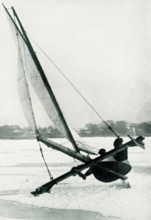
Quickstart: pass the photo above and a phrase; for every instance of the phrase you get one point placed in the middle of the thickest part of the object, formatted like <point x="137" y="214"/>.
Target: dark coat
<point x="123" y="155"/>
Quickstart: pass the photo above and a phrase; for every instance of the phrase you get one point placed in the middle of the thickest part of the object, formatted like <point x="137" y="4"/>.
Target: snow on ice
<point x="22" y="170"/>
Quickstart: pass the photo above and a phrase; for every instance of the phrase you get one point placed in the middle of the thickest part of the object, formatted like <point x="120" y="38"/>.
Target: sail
<point x="31" y="70"/>
<point x="22" y="84"/>
<point x="40" y="90"/>
<point x="46" y="101"/>
<point x="24" y="93"/>
<point x="27" y="65"/>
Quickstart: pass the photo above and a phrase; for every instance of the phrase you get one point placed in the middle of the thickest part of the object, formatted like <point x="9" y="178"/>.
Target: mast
<point x="43" y="77"/>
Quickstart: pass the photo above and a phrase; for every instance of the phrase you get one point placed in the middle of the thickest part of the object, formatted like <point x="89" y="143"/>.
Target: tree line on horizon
<point x="122" y="128"/>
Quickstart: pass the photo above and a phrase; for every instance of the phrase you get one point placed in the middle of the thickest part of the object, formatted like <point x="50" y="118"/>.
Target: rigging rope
<point x="50" y="175"/>
<point x="109" y="127"/>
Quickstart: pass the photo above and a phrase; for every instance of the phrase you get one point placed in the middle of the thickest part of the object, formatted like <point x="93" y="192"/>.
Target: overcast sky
<point x="103" y="47"/>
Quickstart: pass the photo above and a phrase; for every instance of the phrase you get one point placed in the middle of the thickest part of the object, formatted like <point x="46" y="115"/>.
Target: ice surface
<point x="22" y="170"/>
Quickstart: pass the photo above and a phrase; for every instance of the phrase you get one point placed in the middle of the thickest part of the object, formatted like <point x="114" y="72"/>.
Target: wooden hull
<point x="105" y="176"/>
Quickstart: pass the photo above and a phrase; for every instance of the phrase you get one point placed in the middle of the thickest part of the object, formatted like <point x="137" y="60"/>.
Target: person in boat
<point x="122" y="155"/>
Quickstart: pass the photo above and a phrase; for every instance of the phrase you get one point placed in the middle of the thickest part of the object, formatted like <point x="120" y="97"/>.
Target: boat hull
<point x="102" y="174"/>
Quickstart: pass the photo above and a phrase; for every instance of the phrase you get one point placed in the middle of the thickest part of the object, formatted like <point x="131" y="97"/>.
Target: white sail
<point x="26" y="66"/>
<point x="23" y="91"/>
<point x="41" y="91"/>
<point x="46" y="101"/>
<point x="28" y="70"/>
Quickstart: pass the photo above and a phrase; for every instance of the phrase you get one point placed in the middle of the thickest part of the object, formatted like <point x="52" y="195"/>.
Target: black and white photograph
<point x="75" y="110"/>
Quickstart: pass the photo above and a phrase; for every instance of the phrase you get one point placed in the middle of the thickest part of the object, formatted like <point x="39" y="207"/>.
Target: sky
<point x="103" y="47"/>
